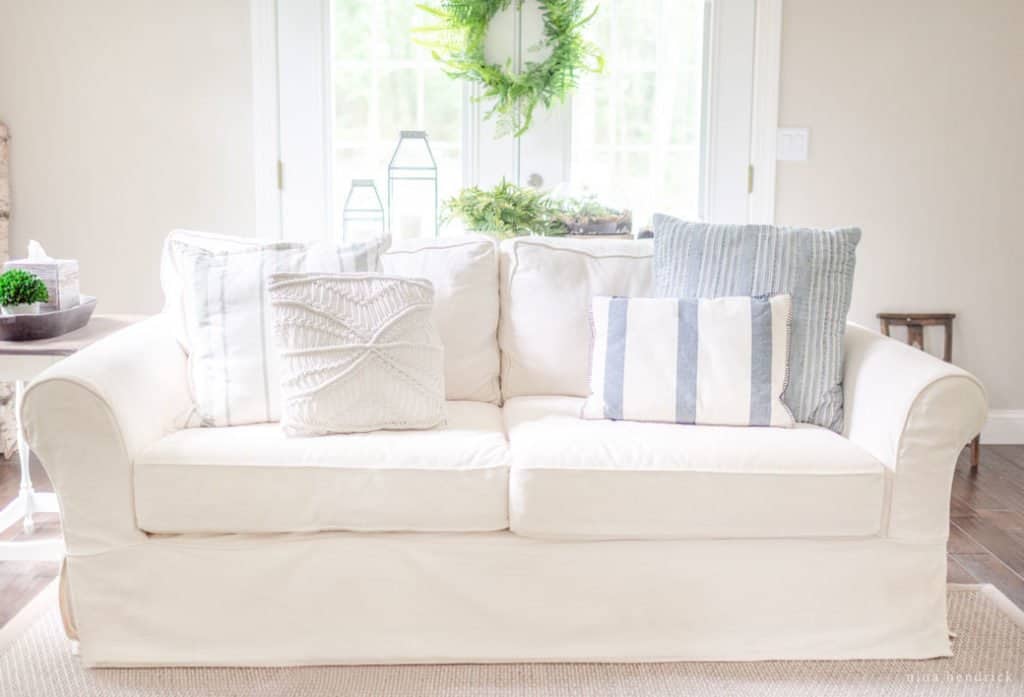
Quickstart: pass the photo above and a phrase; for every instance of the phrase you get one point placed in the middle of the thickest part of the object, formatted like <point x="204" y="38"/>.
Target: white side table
<point x="20" y="361"/>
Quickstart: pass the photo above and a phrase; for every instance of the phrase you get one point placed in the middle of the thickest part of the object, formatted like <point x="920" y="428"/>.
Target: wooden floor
<point x="986" y="536"/>
<point x="20" y="581"/>
<point x="986" y="532"/>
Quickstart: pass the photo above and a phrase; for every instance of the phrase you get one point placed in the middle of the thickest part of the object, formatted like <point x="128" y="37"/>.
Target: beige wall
<point x="916" y="114"/>
<point x="128" y="118"/>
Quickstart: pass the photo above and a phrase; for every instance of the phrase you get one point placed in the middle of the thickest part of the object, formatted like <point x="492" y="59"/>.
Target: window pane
<point x="397" y="18"/>
<point x="351" y="104"/>
<point x="636" y="127"/>
<point x="398" y="98"/>
<point x="385" y="83"/>
<point x="351" y="36"/>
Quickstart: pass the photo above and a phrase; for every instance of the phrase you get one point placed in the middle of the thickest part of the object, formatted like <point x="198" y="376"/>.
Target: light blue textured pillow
<point x="814" y="267"/>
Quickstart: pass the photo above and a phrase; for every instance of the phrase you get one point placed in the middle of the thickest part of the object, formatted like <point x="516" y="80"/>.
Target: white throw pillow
<point x="227" y="317"/>
<point x="176" y="245"/>
<point x="359" y="352"/>
<point x="715" y="362"/>
<point x="464" y="273"/>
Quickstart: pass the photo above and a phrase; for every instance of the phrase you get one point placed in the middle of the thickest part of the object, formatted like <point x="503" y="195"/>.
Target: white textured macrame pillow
<point x="358" y="352"/>
<point x="227" y="317"/>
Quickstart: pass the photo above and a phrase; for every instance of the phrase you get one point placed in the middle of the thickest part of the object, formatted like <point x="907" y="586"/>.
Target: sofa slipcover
<point x="573" y="478"/>
<point x="255" y="479"/>
<point x="134" y="598"/>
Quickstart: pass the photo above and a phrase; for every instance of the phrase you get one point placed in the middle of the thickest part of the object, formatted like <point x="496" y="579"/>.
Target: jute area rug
<point x="988" y="660"/>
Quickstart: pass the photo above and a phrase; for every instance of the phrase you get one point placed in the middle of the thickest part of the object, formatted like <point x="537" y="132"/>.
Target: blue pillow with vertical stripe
<point x="814" y="267"/>
<point x="717" y="362"/>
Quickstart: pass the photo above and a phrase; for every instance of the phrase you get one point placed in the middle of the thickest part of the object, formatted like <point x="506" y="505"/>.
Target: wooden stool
<point x="915" y="322"/>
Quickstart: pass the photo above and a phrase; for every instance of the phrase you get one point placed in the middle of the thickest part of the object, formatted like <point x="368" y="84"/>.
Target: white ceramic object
<point x="21" y="309"/>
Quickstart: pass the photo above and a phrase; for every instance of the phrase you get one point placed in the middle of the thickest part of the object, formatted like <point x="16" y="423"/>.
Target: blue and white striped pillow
<point x="688" y="361"/>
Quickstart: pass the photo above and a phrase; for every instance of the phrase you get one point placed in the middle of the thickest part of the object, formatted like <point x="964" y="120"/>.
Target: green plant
<point x="19" y="287"/>
<point x="506" y="210"/>
<point x="459" y="46"/>
<point x="585" y="215"/>
<point x="586" y="207"/>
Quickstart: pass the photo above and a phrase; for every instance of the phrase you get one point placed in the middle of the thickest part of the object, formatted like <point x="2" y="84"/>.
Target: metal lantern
<point x="362" y="217"/>
<point x="412" y="187"/>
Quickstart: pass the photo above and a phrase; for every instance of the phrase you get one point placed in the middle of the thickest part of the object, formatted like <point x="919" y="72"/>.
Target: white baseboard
<point x="1004" y="427"/>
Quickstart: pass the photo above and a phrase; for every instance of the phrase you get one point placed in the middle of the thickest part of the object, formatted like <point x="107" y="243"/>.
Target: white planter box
<point x="20" y="309"/>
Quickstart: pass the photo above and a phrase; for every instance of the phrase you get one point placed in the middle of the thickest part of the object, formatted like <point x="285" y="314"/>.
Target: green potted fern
<point x="505" y="211"/>
<point x="21" y="292"/>
<point x="587" y="216"/>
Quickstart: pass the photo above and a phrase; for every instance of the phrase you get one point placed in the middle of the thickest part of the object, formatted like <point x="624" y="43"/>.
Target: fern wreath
<point x="459" y="47"/>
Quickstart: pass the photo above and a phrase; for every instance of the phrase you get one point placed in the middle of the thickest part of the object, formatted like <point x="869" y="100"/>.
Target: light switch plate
<point x="791" y="144"/>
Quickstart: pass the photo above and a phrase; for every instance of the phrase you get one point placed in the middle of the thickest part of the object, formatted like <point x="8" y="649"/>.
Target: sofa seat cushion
<point x="572" y="478"/>
<point x="255" y="479"/>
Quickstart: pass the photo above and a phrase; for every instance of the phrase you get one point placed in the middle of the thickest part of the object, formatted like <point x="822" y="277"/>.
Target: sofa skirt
<point x="356" y="598"/>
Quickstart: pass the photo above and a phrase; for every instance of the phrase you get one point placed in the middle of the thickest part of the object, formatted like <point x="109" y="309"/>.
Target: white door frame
<point x="727" y="118"/>
<point x="764" y="124"/>
<point x="266" y="126"/>
<point x="293" y="118"/>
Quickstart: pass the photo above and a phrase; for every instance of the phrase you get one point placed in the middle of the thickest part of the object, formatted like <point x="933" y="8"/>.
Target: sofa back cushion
<point x="547" y="285"/>
<point x="464" y="273"/>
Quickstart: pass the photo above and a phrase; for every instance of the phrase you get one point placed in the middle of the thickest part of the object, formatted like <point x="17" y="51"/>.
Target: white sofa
<point x="517" y="533"/>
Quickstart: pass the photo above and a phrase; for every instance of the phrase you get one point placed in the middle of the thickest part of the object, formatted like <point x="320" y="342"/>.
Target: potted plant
<point x="506" y="210"/>
<point x="21" y="292"/>
<point x="587" y="216"/>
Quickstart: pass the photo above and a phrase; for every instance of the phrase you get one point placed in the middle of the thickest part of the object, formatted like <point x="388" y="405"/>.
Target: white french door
<point x="667" y="127"/>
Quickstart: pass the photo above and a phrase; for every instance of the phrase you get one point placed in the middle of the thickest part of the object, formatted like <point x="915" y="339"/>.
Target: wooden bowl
<point x="47" y="325"/>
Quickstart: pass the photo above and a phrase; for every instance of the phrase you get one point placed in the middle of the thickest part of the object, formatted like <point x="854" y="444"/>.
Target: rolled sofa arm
<point x="89" y="415"/>
<point x="915" y="413"/>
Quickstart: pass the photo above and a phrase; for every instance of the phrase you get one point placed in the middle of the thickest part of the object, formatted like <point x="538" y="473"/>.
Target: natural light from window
<point x="383" y="84"/>
<point x="636" y="128"/>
